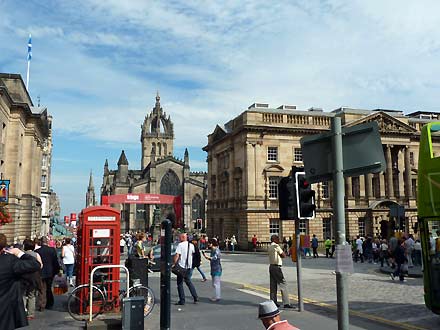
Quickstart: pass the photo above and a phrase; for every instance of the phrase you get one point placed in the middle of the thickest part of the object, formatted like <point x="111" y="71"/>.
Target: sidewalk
<point x="237" y="310"/>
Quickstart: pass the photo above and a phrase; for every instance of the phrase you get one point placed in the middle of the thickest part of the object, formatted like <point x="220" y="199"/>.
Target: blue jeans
<point x="190" y="273"/>
<point x="69" y="270"/>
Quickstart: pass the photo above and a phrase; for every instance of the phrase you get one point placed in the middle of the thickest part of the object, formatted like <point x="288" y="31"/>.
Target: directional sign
<point x="362" y="153"/>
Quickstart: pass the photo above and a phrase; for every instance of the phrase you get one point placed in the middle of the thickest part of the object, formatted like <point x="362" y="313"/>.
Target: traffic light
<point x="286" y="198"/>
<point x="305" y="197"/>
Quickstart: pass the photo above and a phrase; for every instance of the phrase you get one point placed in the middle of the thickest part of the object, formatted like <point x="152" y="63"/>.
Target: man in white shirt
<point x="183" y="256"/>
<point x="359" y="249"/>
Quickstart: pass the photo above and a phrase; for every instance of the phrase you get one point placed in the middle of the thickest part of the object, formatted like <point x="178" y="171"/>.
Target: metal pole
<point x="298" y="267"/>
<point x="339" y="212"/>
<point x="165" y="276"/>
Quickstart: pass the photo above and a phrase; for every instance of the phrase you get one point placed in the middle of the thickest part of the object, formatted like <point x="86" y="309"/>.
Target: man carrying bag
<point x="181" y="266"/>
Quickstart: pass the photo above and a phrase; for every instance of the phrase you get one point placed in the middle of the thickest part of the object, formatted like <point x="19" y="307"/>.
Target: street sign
<point x="361" y="148"/>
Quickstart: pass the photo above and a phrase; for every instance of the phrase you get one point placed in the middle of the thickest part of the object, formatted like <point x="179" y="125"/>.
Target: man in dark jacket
<point x="51" y="267"/>
<point x="13" y="264"/>
<point x="400" y="259"/>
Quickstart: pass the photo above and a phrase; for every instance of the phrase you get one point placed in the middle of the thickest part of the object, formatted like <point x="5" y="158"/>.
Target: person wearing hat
<point x="276" y="254"/>
<point x="269" y="314"/>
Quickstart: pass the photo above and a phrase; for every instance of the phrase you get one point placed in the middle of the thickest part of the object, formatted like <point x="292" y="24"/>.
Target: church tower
<point x="157" y="135"/>
<point x="90" y="195"/>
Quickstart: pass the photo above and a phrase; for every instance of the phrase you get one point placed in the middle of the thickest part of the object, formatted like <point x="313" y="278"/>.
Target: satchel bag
<point x="179" y="270"/>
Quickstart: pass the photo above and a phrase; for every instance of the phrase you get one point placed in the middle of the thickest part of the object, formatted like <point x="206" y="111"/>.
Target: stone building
<point x="24" y="133"/>
<point x="249" y="154"/>
<point x="46" y="169"/>
<point x="160" y="173"/>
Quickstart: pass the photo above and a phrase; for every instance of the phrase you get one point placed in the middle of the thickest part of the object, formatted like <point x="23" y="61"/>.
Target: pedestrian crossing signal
<point x="305" y="197"/>
<point x="286" y="198"/>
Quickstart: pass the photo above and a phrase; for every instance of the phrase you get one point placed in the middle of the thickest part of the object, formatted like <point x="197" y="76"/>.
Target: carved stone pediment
<point x="274" y="168"/>
<point x="387" y="123"/>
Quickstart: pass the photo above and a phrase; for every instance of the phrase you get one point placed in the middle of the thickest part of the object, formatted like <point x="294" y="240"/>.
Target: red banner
<point x="66" y="219"/>
<point x="147" y="199"/>
<point x="72" y="216"/>
<point x="138" y="199"/>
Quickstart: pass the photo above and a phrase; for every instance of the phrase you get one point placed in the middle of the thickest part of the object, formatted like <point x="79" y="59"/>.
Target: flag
<point x="29" y="57"/>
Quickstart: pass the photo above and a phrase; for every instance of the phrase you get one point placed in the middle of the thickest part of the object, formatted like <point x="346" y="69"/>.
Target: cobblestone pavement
<point x="370" y="291"/>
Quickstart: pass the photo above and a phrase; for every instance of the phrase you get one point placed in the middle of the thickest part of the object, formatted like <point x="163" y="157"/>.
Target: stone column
<point x="383" y="191"/>
<point x="348" y="187"/>
<point x="408" y="190"/>
<point x="401" y="167"/>
<point x="389" y="173"/>
<point x="368" y="185"/>
<point x="250" y="172"/>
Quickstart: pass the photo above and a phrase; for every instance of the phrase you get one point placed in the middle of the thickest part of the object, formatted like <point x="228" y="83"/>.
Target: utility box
<point x="133" y="313"/>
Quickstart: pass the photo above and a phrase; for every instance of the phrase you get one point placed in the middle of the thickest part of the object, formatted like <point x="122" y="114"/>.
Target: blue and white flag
<point x="29" y="57"/>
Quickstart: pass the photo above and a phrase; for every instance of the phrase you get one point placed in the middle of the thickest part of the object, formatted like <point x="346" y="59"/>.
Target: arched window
<point x="165" y="153"/>
<point x="197" y="207"/>
<point x="159" y="146"/>
<point x="170" y="184"/>
<point x="153" y="148"/>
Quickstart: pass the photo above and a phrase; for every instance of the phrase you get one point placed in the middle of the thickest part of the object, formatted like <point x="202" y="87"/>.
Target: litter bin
<point x="138" y="269"/>
<point x="133" y="313"/>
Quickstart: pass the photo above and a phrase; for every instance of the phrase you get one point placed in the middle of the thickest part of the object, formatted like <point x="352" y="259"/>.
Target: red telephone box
<point x="98" y="244"/>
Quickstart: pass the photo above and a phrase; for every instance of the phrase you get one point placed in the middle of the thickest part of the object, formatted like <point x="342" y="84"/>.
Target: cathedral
<point x="160" y="173"/>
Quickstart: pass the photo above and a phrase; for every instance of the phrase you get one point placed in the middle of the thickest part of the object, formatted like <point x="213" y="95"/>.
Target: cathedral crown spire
<point x="157" y="100"/>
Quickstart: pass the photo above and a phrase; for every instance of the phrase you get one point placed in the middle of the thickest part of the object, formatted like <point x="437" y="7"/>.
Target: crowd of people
<point x="27" y="273"/>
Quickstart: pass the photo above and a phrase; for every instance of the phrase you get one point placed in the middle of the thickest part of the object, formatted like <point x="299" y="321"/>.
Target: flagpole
<point x="27" y="75"/>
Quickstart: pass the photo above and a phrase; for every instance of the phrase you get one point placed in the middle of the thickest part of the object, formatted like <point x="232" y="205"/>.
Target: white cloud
<point x="97" y="65"/>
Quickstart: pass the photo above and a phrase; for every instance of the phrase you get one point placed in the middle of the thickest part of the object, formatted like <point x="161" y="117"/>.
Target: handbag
<point x="179" y="270"/>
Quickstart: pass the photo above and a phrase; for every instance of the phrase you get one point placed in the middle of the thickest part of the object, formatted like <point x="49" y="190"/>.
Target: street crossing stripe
<point x="334" y="307"/>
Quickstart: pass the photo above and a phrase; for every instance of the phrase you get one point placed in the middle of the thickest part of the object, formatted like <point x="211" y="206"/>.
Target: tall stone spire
<point x="106" y="167"/>
<point x="90" y="195"/>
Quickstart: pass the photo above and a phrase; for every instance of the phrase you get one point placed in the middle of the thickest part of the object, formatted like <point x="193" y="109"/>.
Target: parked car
<point x="156" y="256"/>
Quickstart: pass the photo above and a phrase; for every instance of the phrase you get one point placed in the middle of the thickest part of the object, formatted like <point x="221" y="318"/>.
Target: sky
<point x="97" y="66"/>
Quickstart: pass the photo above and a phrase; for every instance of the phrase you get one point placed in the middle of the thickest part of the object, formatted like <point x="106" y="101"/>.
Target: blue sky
<point x="97" y="66"/>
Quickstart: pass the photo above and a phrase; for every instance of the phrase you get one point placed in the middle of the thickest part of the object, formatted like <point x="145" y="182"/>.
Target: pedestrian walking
<point x="68" y="255"/>
<point x="197" y="259"/>
<point x="328" y="245"/>
<point x="359" y="252"/>
<point x="233" y="243"/>
<point x="383" y="254"/>
<point x="14" y="265"/>
<point x="51" y="267"/>
<point x="31" y="285"/>
<point x="184" y="257"/>
<point x="276" y="254"/>
<point x="216" y="268"/>
<point x="315" y="246"/>
<point x="254" y="243"/>
<point x="122" y="244"/>
<point x="400" y="259"/>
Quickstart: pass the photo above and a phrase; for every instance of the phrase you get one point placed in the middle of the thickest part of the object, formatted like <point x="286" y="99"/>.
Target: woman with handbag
<point x="216" y="267"/>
